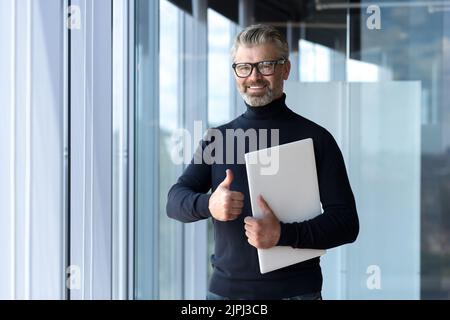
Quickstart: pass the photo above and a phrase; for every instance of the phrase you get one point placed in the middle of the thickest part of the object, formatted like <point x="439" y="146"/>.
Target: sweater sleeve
<point x="338" y="224"/>
<point x="187" y="199"/>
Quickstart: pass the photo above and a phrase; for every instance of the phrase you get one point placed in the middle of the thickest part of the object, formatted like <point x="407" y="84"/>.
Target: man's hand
<point x="263" y="233"/>
<point x="225" y="204"/>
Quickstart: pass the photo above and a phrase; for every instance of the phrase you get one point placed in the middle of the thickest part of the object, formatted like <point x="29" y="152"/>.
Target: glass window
<point x="385" y="70"/>
<point x="391" y="117"/>
<point x="219" y="69"/>
<point x="407" y="144"/>
<point x="170" y="254"/>
<point x="168" y="84"/>
<point x="146" y="149"/>
<point x="220" y="85"/>
<point x="314" y="61"/>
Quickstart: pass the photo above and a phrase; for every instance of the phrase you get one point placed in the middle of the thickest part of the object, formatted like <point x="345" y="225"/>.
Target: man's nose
<point x="255" y="75"/>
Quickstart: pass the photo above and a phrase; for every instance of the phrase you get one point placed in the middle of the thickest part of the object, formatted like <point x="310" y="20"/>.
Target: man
<point x="261" y="65"/>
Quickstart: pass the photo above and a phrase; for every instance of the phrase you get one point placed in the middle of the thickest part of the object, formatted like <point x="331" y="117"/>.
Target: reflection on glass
<point x="411" y="52"/>
<point x="219" y="85"/>
<point x="319" y="63"/>
<point x="315" y="60"/>
<point x="169" y="230"/>
<point x="408" y="61"/>
<point x="413" y="45"/>
<point x="219" y="69"/>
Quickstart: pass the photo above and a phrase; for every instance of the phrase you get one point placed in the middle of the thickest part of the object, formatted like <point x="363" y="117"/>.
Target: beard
<point x="257" y="101"/>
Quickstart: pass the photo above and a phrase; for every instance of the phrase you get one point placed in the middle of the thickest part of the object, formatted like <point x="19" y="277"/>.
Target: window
<point x="170" y="95"/>
<point x="220" y="80"/>
<point x="170" y="250"/>
<point x="386" y="105"/>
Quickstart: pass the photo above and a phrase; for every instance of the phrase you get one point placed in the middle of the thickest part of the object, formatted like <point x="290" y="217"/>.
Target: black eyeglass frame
<point x="256" y="65"/>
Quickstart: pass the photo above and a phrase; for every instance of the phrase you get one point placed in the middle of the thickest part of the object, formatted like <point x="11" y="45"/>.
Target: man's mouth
<point x="256" y="88"/>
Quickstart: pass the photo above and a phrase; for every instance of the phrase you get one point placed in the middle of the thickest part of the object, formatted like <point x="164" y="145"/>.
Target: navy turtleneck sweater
<point x="236" y="270"/>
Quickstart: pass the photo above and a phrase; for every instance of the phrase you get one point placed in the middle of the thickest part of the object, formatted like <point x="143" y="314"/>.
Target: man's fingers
<point x="235" y="211"/>
<point x="250" y="221"/>
<point x="236" y="195"/>
<point x="252" y="243"/>
<point x="237" y="204"/>
<point x="250" y="235"/>
<point x="230" y="215"/>
<point x="251" y="228"/>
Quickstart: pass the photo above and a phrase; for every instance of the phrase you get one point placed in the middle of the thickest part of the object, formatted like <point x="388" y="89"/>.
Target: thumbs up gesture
<point x="225" y="204"/>
<point x="263" y="233"/>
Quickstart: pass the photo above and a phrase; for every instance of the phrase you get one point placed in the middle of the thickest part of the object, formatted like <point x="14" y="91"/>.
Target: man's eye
<point x="266" y="66"/>
<point x="243" y="68"/>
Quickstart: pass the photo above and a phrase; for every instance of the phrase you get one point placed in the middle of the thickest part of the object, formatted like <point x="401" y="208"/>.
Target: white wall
<point x="32" y="245"/>
<point x="52" y="179"/>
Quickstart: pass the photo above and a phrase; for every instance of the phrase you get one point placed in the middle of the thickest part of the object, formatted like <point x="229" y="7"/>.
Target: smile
<point x="256" y="88"/>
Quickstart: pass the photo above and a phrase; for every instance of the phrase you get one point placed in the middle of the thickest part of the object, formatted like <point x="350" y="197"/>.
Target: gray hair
<point x="259" y="34"/>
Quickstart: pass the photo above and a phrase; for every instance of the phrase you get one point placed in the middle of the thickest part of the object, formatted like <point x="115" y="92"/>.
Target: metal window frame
<point x="131" y="102"/>
<point x="193" y="106"/>
<point x="91" y="150"/>
<point x="65" y="225"/>
<point x="146" y="124"/>
<point x="120" y="147"/>
<point x="195" y="100"/>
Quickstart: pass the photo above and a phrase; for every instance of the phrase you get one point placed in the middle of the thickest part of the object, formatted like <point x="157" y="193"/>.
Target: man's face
<point x="258" y="90"/>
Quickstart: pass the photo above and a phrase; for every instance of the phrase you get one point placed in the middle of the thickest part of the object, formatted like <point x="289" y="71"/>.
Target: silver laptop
<point x="286" y="177"/>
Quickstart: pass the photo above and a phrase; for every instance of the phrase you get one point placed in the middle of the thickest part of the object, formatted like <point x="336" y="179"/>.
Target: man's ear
<point x="286" y="70"/>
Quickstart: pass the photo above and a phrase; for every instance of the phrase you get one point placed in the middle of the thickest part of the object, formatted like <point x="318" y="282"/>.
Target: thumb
<point x="226" y="183"/>
<point x="264" y="206"/>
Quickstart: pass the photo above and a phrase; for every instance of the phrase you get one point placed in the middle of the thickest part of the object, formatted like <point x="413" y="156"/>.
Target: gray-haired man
<point x="261" y="65"/>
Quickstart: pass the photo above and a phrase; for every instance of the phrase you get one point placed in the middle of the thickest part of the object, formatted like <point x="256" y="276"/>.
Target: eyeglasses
<point x="266" y="68"/>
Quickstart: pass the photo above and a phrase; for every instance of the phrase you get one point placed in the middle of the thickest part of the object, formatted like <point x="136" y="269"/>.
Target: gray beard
<point x="258" y="101"/>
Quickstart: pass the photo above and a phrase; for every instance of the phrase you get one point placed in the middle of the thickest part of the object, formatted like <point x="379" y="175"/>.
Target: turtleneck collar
<point x="268" y="111"/>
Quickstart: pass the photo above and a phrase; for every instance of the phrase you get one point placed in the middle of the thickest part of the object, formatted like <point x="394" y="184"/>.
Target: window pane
<point x="219" y="69"/>
<point x="219" y="86"/>
<point x="414" y="51"/>
<point x="386" y="103"/>
<point x="146" y="155"/>
<point x="170" y="254"/>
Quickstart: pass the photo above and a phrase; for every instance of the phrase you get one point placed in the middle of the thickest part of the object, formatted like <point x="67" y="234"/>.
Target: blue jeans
<point x="306" y="296"/>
